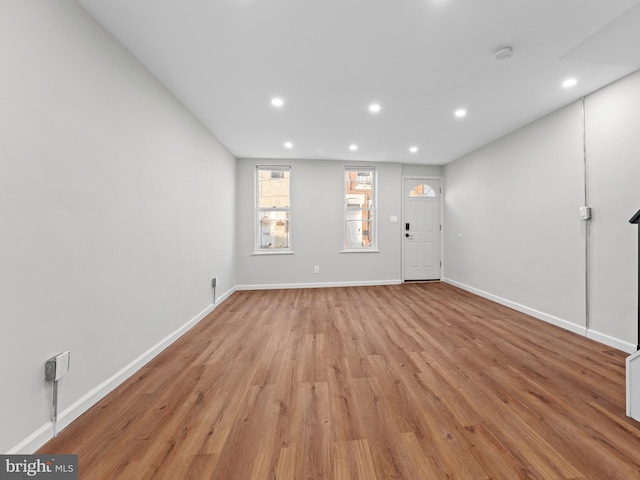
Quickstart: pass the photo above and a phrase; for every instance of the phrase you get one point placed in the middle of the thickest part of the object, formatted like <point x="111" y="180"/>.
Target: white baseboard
<point x="285" y="286"/>
<point x="45" y="433"/>
<point x="611" y="341"/>
<point x="559" y="322"/>
<point x="633" y="386"/>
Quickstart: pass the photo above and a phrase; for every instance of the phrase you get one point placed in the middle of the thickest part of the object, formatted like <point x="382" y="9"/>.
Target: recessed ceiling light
<point x="277" y="102"/>
<point x="374" y="108"/>
<point x="288" y="145"/>
<point x="569" y="82"/>
<point x="353" y="147"/>
<point x="413" y="149"/>
<point x="461" y="112"/>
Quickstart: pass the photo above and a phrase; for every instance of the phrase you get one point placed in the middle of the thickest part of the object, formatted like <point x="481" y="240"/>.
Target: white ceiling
<point x="329" y="59"/>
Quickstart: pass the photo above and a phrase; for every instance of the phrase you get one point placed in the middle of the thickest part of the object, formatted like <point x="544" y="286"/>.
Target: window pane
<point x="273" y="187"/>
<point x="360" y="204"/>
<point x="358" y="232"/>
<point x="422" y="191"/>
<point x="274" y="229"/>
<point x="359" y="188"/>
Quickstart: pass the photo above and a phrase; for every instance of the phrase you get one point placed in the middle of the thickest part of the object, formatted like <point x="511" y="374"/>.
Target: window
<point x="359" y="208"/>
<point x="273" y="210"/>
<point x="422" y="191"/>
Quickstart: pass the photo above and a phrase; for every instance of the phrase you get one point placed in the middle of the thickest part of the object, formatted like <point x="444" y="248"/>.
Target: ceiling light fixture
<point x="288" y="145"/>
<point x="374" y="108"/>
<point x="461" y="112"/>
<point x="353" y="147"/>
<point x="504" y="53"/>
<point x="277" y="102"/>
<point x="413" y="149"/>
<point x="569" y="82"/>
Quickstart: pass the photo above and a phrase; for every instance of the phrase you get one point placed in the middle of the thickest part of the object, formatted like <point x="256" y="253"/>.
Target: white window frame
<point x="259" y="212"/>
<point x="373" y="209"/>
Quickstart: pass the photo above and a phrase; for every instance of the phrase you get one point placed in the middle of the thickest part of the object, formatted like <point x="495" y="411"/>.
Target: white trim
<point x="363" y="250"/>
<point x="285" y="286"/>
<point x="632" y="374"/>
<point x="274" y="252"/>
<point x="256" y="208"/>
<point x="373" y="209"/>
<point x="441" y="200"/>
<point x="45" y="433"/>
<point x="559" y="322"/>
<point x="611" y="341"/>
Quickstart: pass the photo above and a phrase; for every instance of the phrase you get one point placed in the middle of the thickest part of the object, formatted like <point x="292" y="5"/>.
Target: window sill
<point x="285" y="252"/>
<point x="370" y="250"/>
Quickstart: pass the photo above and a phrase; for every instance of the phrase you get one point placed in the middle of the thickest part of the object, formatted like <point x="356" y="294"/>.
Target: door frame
<point x="441" y="197"/>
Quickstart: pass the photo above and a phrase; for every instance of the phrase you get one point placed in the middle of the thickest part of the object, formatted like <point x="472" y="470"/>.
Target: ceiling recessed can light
<point x="353" y="147"/>
<point x="461" y="112"/>
<point x="569" y="82"/>
<point x="413" y="149"/>
<point x="374" y="108"/>
<point x="288" y="145"/>
<point x="277" y="102"/>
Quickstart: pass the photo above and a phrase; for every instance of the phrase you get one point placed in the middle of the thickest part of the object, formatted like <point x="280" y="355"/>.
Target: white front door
<point x="421" y="228"/>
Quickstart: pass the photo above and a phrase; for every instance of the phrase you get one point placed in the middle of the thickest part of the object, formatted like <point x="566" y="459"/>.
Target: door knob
<point x="407" y="235"/>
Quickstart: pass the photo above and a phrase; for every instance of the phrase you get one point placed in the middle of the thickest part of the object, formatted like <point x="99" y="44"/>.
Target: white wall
<point x="613" y="172"/>
<point x="512" y="231"/>
<point x="116" y="207"/>
<point x="317" y="209"/>
<point x="422" y="170"/>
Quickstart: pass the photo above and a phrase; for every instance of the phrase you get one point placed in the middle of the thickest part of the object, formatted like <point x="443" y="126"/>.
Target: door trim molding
<point x="402" y="243"/>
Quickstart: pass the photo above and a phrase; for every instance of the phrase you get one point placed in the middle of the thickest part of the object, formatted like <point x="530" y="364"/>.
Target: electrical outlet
<point x="57" y="367"/>
<point x="214" y="282"/>
<point x="316" y="269"/>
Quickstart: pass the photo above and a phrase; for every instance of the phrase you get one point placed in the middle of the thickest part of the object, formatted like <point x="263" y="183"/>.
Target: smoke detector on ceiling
<point x="504" y="53"/>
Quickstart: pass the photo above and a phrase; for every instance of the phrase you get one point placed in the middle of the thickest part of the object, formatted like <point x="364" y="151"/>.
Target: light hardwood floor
<point x="414" y="381"/>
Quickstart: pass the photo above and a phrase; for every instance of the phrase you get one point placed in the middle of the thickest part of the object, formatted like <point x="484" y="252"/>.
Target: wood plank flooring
<point x="413" y="381"/>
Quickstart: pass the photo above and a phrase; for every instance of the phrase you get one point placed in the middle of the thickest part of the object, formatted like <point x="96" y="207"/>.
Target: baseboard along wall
<point x="559" y="322"/>
<point x="46" y="432"/>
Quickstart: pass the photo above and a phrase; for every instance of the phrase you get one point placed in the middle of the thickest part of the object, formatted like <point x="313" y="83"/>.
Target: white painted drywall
<point x="116" y="209"/>
<point x="422" y="170"/>
<point x="613" y="161"/>
<point x="317" y="206"/>
<point x="511" y="218"/>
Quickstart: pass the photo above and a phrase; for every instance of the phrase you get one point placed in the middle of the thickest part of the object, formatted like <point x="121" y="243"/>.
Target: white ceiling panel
<point x="419" y="59"/>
